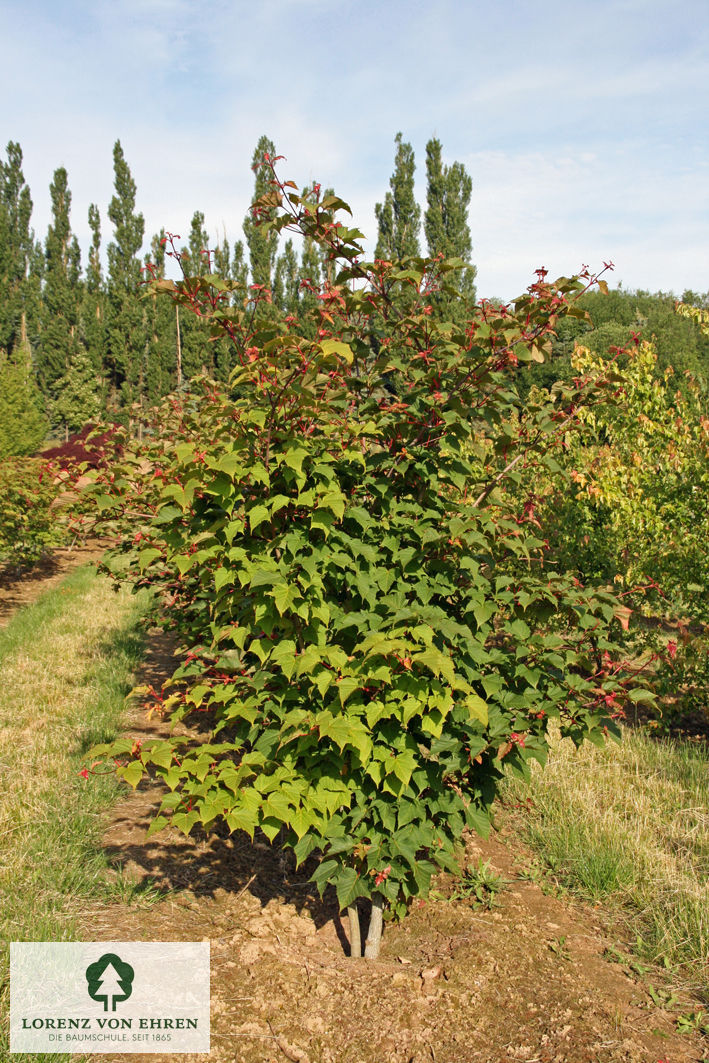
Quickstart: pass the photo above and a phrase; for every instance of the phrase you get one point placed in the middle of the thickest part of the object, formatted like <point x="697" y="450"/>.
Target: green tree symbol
<point x="110" y="980"/>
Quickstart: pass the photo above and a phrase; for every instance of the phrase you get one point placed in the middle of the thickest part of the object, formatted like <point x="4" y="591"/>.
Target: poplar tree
<point x="399" y="216"/>
<point x="161" y="328"/>
<point x="239" y="265"/>
<point x="221" y="260"/>
<point x="59" y="341"/>
<point x="262" y="244"/>
<point x="125" y="346"/>
<point x="446" y="219"/>
<point x="286" y="284"/>
<point x="196" y="349"/>
<point x="326" y="267"/>
<point x="19" y="270"/>
<point x="233" y="267"/>
<point x="94" y="303"/>
<point x="311" y="264"/>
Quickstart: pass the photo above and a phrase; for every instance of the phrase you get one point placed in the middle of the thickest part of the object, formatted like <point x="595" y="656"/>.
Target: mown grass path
<point x="66" y="663"/>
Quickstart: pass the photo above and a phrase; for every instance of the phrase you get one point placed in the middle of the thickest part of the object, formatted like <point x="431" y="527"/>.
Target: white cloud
<point x="584" y="129"/>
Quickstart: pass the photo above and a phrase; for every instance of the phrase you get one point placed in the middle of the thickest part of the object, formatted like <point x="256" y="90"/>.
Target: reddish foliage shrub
<point x="88" y="447"/>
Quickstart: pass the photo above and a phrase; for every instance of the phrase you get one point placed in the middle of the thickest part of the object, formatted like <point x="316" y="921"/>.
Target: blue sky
<point x="583" y="125"/>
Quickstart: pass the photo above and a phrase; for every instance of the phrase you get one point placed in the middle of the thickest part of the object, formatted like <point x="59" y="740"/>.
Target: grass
<point x="628" y="826"/>
<point x="479" y="886"/>
<point x="66" y="664"/>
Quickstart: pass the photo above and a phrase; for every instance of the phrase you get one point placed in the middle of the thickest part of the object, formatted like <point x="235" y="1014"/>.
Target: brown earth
<point x="527" y="980"/>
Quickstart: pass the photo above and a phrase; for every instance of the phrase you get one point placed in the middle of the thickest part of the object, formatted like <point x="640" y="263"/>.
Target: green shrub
<point x="370" y="636"/>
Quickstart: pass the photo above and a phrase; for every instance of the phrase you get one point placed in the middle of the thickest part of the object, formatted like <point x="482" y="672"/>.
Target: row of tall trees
<point x="76" y="341"/>
<point x="79" y="340"/>
<point x="445" y="220"/>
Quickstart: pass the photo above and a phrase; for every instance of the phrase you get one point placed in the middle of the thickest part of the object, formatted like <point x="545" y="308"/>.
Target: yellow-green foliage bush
<point x="29" y="526"/>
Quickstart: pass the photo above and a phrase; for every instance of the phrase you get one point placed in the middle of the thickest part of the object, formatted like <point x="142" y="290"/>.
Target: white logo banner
<point x="109" y="996"/>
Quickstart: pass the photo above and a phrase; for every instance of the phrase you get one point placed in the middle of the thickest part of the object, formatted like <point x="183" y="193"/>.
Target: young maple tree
<point x="343" y="540"/>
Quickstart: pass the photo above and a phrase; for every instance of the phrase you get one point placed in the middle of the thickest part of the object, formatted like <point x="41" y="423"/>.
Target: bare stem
<point x="374" y="935"/>
<point x="355" y="936"/>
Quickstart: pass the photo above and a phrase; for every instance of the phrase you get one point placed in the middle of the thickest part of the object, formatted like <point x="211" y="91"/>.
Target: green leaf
<point x="639" y="695"/>
<point x="342" y="350"/>
<point x="133" y="773"/>
<point x="301" y="821"/>
<point x="477" y="708"/>
<point x="323" y="680"/>
<point x="346" y="686"/>
<point x="322" y="519"/>
<point x="284" y="595"/>
<point x="221" y="577"/>
<point x="257" y="515"/>
<point x="403" y="765"/>
<point x="146" y="556"/>
<point x="483" y="612"/>
<point x="294" y="458"/>
<point x="348" y="887"/>
<point x="333" y="500"/>
<point x="323" y="874"/>
<point x="283" y="655"/>
<point x="338" y="728"/>
<point x="436" y="662"/>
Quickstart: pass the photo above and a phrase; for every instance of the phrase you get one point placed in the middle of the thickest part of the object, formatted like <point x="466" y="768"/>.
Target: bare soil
<point x="525" y="981"/>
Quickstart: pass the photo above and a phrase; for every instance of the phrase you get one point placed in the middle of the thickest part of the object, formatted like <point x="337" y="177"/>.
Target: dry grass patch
<point x="66" y="665"/>
<point x="630" y="824"/>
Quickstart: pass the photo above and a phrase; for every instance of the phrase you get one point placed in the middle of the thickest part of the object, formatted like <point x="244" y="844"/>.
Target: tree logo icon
<point x="110" y="980"/>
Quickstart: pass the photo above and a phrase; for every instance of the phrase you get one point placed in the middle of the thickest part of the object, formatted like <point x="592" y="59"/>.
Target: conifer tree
<point x="197" y="245"/>
<point x="61" y="296"/>
<point x="385" y="228"/>
<point x="23" y="424"/>
<point x="77" y="403"/>
<point x="446" y="218"/>
<point x="263" y="246"/>
<point x="239" y="265"/>
<point x="399" y="216"/>
<point x="222" y="258"/>
<point x="125" y="346"/>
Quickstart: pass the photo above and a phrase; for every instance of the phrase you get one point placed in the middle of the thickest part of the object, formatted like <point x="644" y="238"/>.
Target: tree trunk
<point x="179" y="346"/>
<point x="355" y="937"/>
<point x="374" y="934"/>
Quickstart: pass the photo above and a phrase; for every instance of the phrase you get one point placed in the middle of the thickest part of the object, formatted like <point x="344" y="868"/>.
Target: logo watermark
<point x="132" y="996"/>
<point x="110" y="980"/>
